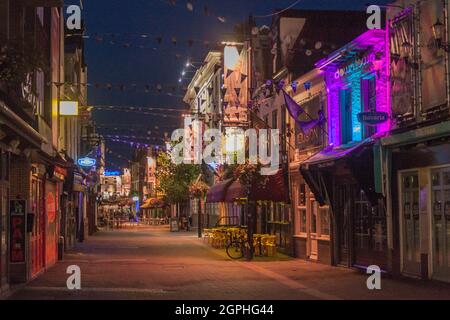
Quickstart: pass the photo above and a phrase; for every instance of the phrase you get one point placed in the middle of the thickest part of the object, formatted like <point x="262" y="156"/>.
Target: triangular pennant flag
<point x="237" y="115"/>
<point x="293" y="108"/>
<point x="243" y="77"/>
<point x="223" y="91"/>
<point x="229" y="72"/>
<point x="210" y="90"/>
<point x="225" y="104"/>
<point x="238" y="91"/>
<point x="197" y="90"/>
<point x="294" y="86"/>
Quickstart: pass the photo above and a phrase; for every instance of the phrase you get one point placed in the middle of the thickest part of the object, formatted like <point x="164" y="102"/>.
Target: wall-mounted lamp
<point x="438" y="33"/>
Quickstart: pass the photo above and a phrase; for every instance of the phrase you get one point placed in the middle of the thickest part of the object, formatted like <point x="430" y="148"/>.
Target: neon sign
<point x="358" y="64"/>
<point x="86" y="162"/>
<point x="111" y="173"/>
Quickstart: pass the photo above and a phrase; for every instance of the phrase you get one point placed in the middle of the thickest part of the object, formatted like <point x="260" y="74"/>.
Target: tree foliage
<point x="174" y="180"/>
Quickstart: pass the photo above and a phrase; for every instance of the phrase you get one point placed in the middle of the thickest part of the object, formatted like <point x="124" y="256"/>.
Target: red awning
<point x="218" y="191"/>
<point x="274" y="189"/>
<point x="235" y="191"/>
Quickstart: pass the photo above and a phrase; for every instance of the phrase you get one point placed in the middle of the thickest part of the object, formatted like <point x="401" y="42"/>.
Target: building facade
<point x="416" y="154"/>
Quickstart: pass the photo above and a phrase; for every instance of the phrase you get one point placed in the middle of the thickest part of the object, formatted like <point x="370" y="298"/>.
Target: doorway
<point x="410" y="222"/>
<point x="344" y="206"/>
<point x="440" y="199"/>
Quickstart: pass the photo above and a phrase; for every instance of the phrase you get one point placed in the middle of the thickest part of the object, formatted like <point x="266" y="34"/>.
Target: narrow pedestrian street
<point x="149" y="262"/>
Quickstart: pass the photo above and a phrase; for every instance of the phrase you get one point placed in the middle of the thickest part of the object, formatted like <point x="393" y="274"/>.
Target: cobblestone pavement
<point x="153" y="263"/>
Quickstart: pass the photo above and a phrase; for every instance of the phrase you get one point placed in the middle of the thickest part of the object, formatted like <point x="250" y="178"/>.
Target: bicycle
<point x="238" y="248"/>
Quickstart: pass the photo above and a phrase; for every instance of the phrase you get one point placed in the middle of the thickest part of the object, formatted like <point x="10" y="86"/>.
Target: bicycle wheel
<point x="234" y="250"/>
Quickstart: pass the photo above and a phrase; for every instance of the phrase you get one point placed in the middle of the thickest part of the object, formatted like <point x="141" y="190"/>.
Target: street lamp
<point x="438" y="33"/>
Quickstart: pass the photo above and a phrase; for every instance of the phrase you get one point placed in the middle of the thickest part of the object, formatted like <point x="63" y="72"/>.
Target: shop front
<point x="311" y="238"/>
<point x="419" y="173"/>
<point x="264" y="207"/>
<point x="344" y="179"/>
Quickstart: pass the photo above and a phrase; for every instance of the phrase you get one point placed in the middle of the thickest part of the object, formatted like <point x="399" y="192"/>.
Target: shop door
<point x="312" y="239"/>
<point x="410" y="223"/>
<point x="440" y="199"/>
<point x="343" y="212"/>
<point x="3" y="236"/>
<point x="37" y="249"/>
<point x="369" y="233"/>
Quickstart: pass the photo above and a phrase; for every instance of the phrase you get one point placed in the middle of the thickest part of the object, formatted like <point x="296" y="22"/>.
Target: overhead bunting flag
<point x="243" y="77"/>
<point x="307" y="85"/>
<point x="223" y="91"/>
<point x="197" y="90"/>
<point x="210" y="90"/>
<point x="225" y="104"/>
<point x="238" y="91"/>
<point x="229" y="72"/>
<point x="294" y="86"/>
<point x="307" y="126"/>
<point x="293" y="108"/>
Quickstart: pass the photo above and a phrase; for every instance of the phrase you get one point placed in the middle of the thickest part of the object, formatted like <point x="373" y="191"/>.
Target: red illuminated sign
<point x="17" y="230"/>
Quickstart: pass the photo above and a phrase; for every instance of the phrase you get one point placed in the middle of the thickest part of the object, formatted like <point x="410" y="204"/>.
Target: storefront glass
<point x="441" y="222"/>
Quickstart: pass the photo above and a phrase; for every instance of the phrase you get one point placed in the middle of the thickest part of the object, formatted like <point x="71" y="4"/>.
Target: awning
<point x="326" y="158"/>
<point x="235" y="192"/>
<point x="218" y="191"/>
<point x="20" y="127"/>
<point x="272" y="189"/>
<point x="318" y="169"/>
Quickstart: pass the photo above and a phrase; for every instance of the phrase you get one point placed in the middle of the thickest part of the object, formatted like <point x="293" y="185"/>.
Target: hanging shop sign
<point x="86" y="162"/>
<point x="68" y="108"/>
<point x="373" y="117"/>
<point x="17" y="230"/>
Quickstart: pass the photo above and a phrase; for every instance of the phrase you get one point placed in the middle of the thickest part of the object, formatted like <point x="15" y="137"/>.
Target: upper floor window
<point x="369" y="102"/>
<point x="275" y="119"/>
<point x="309" y="136"/>
<point x="346" y="115"/>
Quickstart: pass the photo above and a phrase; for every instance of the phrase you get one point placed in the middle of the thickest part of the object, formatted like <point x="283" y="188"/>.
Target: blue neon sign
<point x="86" y="162"/>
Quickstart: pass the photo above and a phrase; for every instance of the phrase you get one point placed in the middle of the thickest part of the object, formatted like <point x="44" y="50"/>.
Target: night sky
<point x="158" y="64"/>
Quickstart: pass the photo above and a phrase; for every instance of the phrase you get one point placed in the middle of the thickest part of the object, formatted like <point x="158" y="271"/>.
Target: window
<point x="302" y="195"/>
<point x="314" y="212"/>
<point x="346" y="116"/>
<point x="313" y="137"/>
<point x="275" y="119"/>
<point x="369" y="101"/>
<point x="324" y="221"/>
<point x="303" y="220"/>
